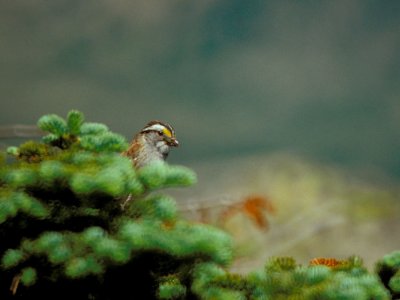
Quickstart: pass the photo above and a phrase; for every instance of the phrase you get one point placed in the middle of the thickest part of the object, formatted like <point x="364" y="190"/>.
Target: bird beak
<point x="173" y="142"/>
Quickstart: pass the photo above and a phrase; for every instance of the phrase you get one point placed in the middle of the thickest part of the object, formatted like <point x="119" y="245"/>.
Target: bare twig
<point x="15" y="283"/>
<point x="19" y="131"/>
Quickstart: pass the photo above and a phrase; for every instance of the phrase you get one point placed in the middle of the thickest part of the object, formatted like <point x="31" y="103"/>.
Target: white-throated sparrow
<point x="151" y="144"/>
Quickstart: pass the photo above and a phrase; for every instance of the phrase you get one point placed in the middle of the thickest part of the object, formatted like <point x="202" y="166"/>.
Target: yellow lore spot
<point x="167" y="132"/>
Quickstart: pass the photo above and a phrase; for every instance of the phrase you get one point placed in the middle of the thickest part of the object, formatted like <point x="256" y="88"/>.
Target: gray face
<point x="164" y="130"/>
<point x="157" y="141"/>
<point x="160" y="137"/>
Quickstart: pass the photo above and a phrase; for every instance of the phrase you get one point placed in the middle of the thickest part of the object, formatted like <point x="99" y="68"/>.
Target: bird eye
<point x="160" y="132"/>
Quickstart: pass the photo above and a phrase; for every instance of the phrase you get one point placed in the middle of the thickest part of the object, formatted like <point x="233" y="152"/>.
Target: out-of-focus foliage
<point x="282" y="278"/>
<point x="388" y="269"/>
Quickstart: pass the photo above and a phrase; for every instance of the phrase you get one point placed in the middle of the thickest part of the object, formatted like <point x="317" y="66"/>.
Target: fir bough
<point x="62" y="226"/>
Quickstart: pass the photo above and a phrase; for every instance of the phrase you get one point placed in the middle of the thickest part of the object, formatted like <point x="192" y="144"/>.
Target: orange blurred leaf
<point x="255" y="207"/>
<point x="329" y="262"/>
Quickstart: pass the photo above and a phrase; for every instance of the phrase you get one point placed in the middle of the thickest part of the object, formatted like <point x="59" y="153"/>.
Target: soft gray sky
<point x="321" y="79"/>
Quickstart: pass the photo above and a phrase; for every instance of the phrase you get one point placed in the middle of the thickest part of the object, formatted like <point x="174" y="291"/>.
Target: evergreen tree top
<point x="64" y="233"/>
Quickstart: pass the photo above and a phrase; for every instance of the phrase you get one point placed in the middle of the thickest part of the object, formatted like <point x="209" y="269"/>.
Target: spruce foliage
<point x="64" y="233"/>
<point x="282" y="278"/>
<point x="388" y="269"/>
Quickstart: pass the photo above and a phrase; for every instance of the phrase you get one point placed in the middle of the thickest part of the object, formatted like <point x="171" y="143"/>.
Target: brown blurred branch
<point x="19" y="131"/>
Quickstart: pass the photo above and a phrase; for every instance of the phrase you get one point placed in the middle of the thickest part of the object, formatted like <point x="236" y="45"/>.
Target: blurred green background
<point x="317" y="78"/>
<point x="296" y="100"/>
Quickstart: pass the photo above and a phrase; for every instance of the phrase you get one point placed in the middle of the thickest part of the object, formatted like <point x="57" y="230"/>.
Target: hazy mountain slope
<point x="320" y="210"/>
